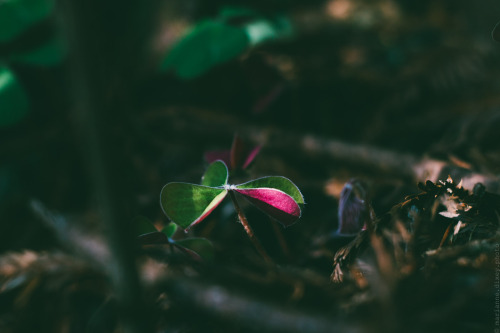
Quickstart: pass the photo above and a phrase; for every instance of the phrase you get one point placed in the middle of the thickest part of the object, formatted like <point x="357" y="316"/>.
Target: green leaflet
<point x="216" y="175"/>
<point x="210" y="43"/>
<point x="188" y="204"/>
<point x="170" y="230"/>
<point x="202" y="246"/>
<point x="215" y="41"/>
<point x="143" y="225"/>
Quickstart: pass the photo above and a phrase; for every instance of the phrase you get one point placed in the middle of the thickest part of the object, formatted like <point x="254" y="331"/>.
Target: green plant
<point x="24" y="40"/>
<point x="195" y="247"/>
<point x="188" y="204"/>
<point x="212" y="42"/>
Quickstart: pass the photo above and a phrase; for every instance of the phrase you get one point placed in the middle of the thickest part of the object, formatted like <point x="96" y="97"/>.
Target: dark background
<point x="107" y="127"/>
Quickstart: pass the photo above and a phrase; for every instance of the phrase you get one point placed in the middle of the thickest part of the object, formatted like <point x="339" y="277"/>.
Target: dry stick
<point x="390" y="162"/>
<point x="249" y="230"/>
<point x="84" y="244"/>
<point x="220" y="303"/>
<point x="446" y="233"/>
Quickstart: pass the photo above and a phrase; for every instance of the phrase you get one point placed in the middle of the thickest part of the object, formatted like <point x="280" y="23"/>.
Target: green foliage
<point x="50" y="53"/>
<point x="143" y="225"/>
<point x="170" y="230"/>
<point x="208" y="44"/>
<point x="18" y="15"/>
<point x="201" y="246"/>
<point x="213" y="42"/>
<point x="195" y="247"/>
<point x="230" y="13"/>
<point x="216" y="175"/>
<point x="13" y="100"/>
<point x="188" y="204"/>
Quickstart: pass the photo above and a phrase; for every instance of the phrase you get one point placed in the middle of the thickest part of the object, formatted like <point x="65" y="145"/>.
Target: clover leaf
<point x="188" y="204"/>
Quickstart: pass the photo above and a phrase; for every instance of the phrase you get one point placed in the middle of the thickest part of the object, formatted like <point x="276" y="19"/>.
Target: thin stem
<point x="446" y="233"/>
<point x="249" y="230"/>
<point x="281" y="239"/>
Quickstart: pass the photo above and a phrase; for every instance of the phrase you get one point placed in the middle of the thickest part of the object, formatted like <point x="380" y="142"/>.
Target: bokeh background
<point x="134" y="95"/>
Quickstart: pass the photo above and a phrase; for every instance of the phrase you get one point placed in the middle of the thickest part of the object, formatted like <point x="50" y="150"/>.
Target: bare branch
<point x="400" y="164"/>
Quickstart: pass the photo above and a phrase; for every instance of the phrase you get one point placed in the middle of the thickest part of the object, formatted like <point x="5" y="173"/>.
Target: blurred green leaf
<point x="13" y="100"/>
<point x="260" y="31"/>
<point x="50" y="53"/>
<point x="18" y="15"/>
<point x="201" y="246"/>
<point x="144" y="225"/>
<point x="213" y="42"/>
<point x="210" y="43"/>
<point x="153" y="238"/>
<point x="229" y="13"/>
<point x="170" y="230"/>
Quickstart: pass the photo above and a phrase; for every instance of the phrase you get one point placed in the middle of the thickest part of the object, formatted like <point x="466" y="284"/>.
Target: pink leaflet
<point x="265" y="101"/>
<point x="251" y="156"/>
<point x="275" y="203"/>
<point x="239" y="157"/>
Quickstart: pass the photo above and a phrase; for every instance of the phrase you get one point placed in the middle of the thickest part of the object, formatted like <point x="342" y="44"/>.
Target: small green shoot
<point x="195" y="247"/>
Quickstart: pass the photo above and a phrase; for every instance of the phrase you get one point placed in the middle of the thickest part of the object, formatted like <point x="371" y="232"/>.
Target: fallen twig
<point x="251" y="313"/>
<point x="184" y="121"/>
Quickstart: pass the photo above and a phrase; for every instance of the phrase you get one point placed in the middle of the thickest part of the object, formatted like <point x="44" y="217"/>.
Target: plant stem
<point x="281" y="239"/>
<point x="249" y="230"/>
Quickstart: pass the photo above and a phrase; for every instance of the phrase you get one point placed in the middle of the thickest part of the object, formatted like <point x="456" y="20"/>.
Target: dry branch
<point x="248" y="312"/>
<point x="416" y="168"/>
